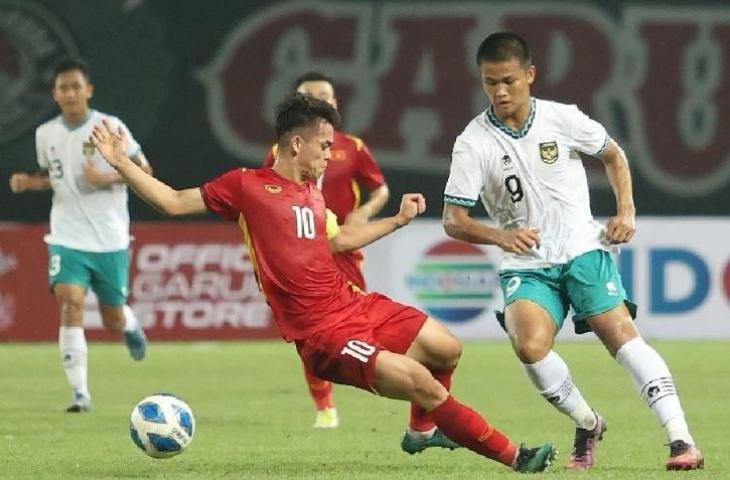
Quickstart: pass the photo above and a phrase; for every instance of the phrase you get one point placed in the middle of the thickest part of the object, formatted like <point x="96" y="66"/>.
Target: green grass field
<point x="254" y="416"/>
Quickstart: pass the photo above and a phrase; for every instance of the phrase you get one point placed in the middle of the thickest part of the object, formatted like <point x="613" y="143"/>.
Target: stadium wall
<point x="188" y="282"/>
<point x="196" y="82"/>
<point x="677" y="270"/>
<point x="194" y="281"/>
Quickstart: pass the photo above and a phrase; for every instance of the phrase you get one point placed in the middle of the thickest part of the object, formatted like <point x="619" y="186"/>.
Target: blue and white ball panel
<point x="162" y="425"/>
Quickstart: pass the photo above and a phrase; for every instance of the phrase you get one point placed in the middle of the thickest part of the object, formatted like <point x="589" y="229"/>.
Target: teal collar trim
<point x="71" y="128"/>
<point x="494" y="120"/>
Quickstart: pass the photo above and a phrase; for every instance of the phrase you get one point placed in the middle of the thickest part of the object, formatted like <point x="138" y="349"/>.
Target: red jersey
<point x="285" y="227"/>
<point x="351" y="167"/>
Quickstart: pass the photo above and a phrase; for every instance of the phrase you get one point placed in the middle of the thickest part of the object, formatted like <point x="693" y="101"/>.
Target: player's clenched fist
<point x="411" y="205"/>
<point x="519" y="241"/>
<point x="19" y="182"/>
<point x="621" y="228"/>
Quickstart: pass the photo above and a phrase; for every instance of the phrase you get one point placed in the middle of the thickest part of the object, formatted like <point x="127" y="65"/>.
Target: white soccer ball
<point x="162" y="425"/>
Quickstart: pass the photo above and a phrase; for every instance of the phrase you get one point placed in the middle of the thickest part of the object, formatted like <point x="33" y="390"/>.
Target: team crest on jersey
<point x="88" y="149"/>
<point x="272" y="188"/>
<point x="549" y="152"/>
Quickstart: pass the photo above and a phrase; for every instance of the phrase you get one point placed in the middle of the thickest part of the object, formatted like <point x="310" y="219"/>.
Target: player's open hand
<point x="520" y="241"/>
<point x="19" y="182"/>
<point x="621" y="228"/>
<point x="411" y="205"/>
<point x="111" y="144"/>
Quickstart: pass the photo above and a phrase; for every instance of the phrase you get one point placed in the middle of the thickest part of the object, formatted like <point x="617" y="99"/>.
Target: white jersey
<point x="83" y="217"/>
<point x="532" y="179"/>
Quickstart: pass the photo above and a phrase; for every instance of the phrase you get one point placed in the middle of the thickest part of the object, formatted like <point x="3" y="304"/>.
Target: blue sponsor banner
<point x="681" y="285"/>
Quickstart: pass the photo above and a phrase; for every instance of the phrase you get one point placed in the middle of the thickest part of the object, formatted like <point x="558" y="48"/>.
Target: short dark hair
<point x="313" y="76"/>
<point x="503" y="47"/>
<point x="68" y="63"/>
<point x="297" y="110"/>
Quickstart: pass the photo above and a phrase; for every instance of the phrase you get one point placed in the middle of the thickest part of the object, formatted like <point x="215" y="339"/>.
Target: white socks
<point x="648" y="370"/>
<point x="420" y="436"/>
<point x="131" y="324"/>
<point x="74" y="353"/>
<point x="655" y="384"/>
<point x="552" y="379"/>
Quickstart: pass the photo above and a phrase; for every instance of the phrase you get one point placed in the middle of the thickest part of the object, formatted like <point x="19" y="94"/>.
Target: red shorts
<point x="345" y="352"/>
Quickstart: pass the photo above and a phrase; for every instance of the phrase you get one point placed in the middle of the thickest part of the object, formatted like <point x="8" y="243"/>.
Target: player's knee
<point x="113" y="318"/>
<point x="451" y="352"/>
<point x="70" y="304"/>
<point x="614" y="329"/>
<point x="532" y="350"/>
<point x="441" y="352"/>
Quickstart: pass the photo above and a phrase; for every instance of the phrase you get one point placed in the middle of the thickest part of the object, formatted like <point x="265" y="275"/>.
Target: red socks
<point x="421" y="420"/>
<point x="467" y="428"/>
<point x="321" y="391"/>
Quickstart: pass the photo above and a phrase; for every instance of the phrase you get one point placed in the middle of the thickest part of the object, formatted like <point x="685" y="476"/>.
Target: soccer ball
<point x="162" y="425"/>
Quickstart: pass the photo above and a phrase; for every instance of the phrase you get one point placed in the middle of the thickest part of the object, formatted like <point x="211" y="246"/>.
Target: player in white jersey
<point x="89" y="240"/>
<point x="522" y="156"/>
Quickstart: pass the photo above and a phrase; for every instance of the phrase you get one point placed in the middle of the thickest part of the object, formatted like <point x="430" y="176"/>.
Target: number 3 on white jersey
<point x="358" y="349"/>
<point x="305" y="221"/>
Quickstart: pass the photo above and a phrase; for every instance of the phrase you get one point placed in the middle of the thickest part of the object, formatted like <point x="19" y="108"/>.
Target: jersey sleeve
<point x="271" y="156"/>
<point x="331" y="226"/>
<point x="40" y="150"/>
<point x="219" y="194"/>
<point x="589" y="136"/>
<point x="368" y="173"/>
<point x="466" y="178"/>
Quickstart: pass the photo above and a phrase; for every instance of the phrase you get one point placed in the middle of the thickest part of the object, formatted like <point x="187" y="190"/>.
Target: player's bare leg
<point x="322" y="392"/>
<point x="112" y="317"/>
<point x="400" y="377"/>
<point x="439" y="351"/>
<point x="532" y="332"/>
<point x="72" y="343"/>
<point x="653" y="381"/>
<point x="122" y="319"/>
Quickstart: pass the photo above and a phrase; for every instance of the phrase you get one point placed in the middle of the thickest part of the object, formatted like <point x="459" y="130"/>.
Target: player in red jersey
<point x="341" y="333"/>
<point x="351" y="168"/>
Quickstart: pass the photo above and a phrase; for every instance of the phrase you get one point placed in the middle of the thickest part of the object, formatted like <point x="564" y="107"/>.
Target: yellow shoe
<point x="327" y="418"/>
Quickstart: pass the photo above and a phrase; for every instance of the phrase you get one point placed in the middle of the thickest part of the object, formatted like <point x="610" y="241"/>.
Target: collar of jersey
<point x="80" y="124"/>
<point x="281" y="177"/>
<point x="494" y="120"/>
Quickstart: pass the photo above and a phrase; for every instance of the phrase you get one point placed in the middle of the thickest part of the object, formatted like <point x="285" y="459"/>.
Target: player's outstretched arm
<point x="376" y="201"/>
<point x="112" y="146"/>
<point x="21" y="182"/>
<point x="459" y="225"/>
<point x="352" y="237"/>
<point x="621" y="227"/>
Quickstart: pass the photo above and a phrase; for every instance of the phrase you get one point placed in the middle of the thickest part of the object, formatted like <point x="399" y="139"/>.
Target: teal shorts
<point x="590" y="284"/>
<point x="107" y="273"/>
